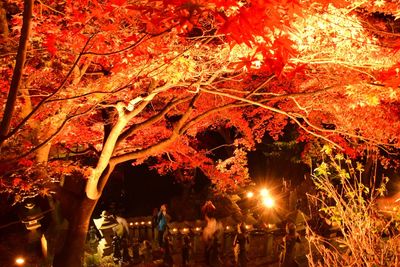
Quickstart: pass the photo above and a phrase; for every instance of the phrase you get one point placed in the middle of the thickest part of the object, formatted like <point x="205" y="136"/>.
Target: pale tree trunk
<point x="80" y="213"/>
<point x="72" y="252"/>
<point x="80" y="210"/>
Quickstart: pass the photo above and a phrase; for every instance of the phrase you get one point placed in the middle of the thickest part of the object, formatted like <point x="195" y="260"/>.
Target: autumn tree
<point x="99" y="83"/>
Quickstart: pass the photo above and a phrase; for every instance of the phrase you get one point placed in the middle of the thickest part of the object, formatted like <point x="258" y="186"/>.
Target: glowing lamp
<point x="19" y="261"/>
<point x="149" y="222"/>
<point x="175" y="230"/>
<point x="142" y="223"/>
<point x="131" y="223"/>
<point x="136" y="223"/>
<point x="268" y="202"/>
<point x="197" y="229"/>
<point x="250" y="194"/>
<point x="227" y="228"/>
<point x="32" y="224"/>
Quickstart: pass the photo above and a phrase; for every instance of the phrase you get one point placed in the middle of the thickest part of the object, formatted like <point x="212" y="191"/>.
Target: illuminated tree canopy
<point x="120" y="80"/>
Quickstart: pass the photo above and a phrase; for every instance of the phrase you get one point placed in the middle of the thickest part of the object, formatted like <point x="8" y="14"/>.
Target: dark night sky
<point x="140" y="191"/>
<point x="146" y="190"/>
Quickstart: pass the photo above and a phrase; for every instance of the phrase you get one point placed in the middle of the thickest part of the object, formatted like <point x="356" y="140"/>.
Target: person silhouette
<point x="287" y="257"/>
<point x="161" y="224"/>
<point x="186" y="247"/>
<point x="241" y="240"/>
<point x="167" y="257"/>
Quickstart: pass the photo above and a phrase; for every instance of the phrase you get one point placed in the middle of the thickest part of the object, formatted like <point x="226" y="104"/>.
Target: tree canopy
<point x="131" y="80"/>
<point x="120" y="80"/>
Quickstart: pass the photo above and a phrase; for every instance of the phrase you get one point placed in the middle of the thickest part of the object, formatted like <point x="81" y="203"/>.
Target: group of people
<point x="211" y="238"/>
<point x="288" y="245"/>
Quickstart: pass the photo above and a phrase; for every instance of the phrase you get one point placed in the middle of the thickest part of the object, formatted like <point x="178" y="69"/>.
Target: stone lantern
<point x="105" y="224"/>
<point x="32" y="217"/>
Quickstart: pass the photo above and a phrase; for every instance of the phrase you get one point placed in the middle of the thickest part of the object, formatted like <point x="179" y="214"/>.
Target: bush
<point x="364" y="235"/>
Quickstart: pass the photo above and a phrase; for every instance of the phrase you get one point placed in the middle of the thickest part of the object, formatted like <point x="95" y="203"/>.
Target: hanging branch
<point x="47" y="98"/>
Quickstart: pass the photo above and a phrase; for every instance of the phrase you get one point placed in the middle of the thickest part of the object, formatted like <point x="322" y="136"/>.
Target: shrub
<point x="365" y="236"/>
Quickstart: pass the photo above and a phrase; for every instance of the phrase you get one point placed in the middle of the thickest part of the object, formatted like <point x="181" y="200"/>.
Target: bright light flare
<point x="19" y="261"/>
<point x="268" y="202"/>
<point x="264" y="192"/>
<point x="250" y="194"/>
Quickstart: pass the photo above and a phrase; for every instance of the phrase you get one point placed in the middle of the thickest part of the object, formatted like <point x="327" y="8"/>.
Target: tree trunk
<point x="72" y="252"/>
<point x="18" y="70"/>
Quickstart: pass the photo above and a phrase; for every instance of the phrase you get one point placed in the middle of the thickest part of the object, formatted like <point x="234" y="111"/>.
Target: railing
<point x="263" y="242"/>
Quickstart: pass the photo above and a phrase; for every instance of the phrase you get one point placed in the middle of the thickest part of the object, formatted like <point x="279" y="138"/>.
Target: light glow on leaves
<point x="236" y="166"/>
<point x="335" y="37"/>
<point x="379" y="3"/>
<point x="241" y="54"/>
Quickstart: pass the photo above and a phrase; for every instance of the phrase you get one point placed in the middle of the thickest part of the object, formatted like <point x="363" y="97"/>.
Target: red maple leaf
<point x="391" y="76"/>
<point x="50" y="43"/>
<point x="245" y="62"/>
<point x="25" y="162"/>
<point x="284" y="47"/>
<point x="225" y="3"/>
<point x="16" y="181"/>
<point x="118" y="2"/>
<point x="26" y="186"/>
<point x="396" y="48"/>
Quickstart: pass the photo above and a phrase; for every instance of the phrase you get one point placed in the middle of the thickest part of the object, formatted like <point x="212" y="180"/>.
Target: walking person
<point x="186" y="247"/>
<point x="210" y="234"/>
<point x="214" y="250"/>
<point x="240" y="242"/>
<point x="154" y="224"/>
<point x="287" y="256"/>
<point x="146" y="252"/>
<point x="167" y="257"/>
<point x="161" y="224"/>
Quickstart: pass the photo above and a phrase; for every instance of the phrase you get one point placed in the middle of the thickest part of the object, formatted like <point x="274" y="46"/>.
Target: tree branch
<point x="43" y="143"/>
<point x="235" y="104"/>
<point x="177" y="131"/>
<point x="121" y="50"/>
<point x="89" y="149"/>
<point x="46" y="99"/>
<point x="255" y="103"/>
<point x="128" y="132"/>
